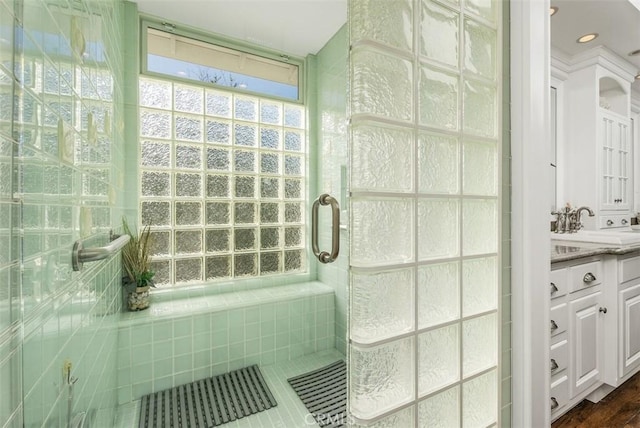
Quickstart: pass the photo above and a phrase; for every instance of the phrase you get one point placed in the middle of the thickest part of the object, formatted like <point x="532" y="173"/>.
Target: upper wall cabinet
<point x="615" y="174"/>
<point x="598" y="145"/>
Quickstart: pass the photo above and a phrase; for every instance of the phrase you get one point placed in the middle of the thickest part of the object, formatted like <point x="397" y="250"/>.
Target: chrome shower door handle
<point x="323" y="256"/>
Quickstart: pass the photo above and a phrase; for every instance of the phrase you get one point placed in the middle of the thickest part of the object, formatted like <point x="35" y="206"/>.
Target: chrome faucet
<point x="578" y="222"/>
<point x="568" y="220"/>
<point x="562" y="219"/>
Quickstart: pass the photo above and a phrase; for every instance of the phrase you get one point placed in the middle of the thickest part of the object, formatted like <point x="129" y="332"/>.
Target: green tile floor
<point x="289" y="413"/>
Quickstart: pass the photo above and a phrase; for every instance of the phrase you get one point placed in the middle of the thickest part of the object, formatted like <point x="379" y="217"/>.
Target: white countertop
<point x="563" y="250"/>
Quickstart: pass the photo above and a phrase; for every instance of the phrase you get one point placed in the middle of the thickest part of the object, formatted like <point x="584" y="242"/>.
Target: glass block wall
<point x="425" y="146"/>
<point x="60" y="180"/>
<point x="222" y="183"/>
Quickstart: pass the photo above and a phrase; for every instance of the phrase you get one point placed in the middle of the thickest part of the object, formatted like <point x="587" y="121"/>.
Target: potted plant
<point x="136" y="264"/>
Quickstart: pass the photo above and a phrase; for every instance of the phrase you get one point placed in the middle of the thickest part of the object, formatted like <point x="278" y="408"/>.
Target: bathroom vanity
<point x="594" y="287"/>
<point x="594" y="327"/>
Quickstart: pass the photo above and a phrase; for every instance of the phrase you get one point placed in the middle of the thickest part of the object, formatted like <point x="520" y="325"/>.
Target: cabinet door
<point x="623" y="161"/>
<point x="630" y="335"/>
<point x="615" y="144"/>
<point x="585" y="337"/>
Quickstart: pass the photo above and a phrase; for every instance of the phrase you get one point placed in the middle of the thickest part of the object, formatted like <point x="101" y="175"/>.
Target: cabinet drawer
<point x="629" y="269"/>
<point x="559" y="282"/>
<point x="559" y="394"/>
<point x="585" y="275"/>
<point x="559" y="357"/>
<point x="614" y="221"/>
<point x="559" y="319"/>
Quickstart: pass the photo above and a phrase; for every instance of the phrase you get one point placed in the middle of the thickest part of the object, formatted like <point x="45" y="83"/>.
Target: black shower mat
<point x="324" y="393"/>
<point x="209" y="402"/>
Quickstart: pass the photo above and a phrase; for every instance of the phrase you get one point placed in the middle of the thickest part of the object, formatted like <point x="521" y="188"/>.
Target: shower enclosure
<point x="422" y="117"/>
<point x="61" y="151"/>
<point x="405" y="106"/>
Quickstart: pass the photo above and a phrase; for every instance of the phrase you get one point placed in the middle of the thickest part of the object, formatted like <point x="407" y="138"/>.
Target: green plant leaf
<point x="136" y="257"/>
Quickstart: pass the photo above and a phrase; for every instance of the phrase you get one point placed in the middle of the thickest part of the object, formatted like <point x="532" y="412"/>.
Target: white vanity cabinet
<point x="595" y="327"/>
<point x="630" y="329"/>
<point x="585" y="338"/>
<point x="559" y="352"/>
<point x="577" y="331"/>
<point x="625" y="338"/>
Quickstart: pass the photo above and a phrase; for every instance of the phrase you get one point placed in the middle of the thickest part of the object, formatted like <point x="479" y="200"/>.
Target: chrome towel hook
<point x="325" y="257"/>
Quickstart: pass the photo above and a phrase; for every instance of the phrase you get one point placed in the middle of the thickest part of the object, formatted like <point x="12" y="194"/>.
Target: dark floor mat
<point x="324" y="393"/>
<point x="208" y="402"/>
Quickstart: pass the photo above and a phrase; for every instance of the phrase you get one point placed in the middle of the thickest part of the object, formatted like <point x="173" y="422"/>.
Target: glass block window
<point x="222" y="182"/>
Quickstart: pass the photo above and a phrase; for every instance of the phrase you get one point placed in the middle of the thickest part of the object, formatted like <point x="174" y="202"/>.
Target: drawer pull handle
<point x="554" y="403"/>
<point x="588" y="277"/>
<point x="603" y="310"/>
<point x="624" y="220"/>
<point x="554" y="288"/>
<point x="554" y="326"/>
<point x="554" y="365"/>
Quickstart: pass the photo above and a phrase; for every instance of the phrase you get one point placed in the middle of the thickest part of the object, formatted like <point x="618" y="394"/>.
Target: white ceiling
<point x="300" y="27"/>
<point x="295" y="27"/>
<point x="616" y="21"/>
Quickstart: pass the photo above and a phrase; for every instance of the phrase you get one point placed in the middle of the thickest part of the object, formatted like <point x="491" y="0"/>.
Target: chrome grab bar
<point x="326" y="199"/>
<point x="81" y="255"/>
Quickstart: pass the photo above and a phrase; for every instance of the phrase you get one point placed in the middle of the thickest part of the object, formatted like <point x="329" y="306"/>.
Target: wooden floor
<point x="621" y="408"/>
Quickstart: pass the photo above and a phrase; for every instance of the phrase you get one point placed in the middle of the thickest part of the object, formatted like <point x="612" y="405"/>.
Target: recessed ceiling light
<point x="638" y="76"/>
<point x="634" y="53"/>
<point x="553" y="10"/>
<point x="587" y="38"/>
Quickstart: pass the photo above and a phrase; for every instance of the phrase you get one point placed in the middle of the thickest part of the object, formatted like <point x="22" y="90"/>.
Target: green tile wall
<point x="175" y="343"/>
<point x="10" y="326"/>
<point x="61" y="179"/>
